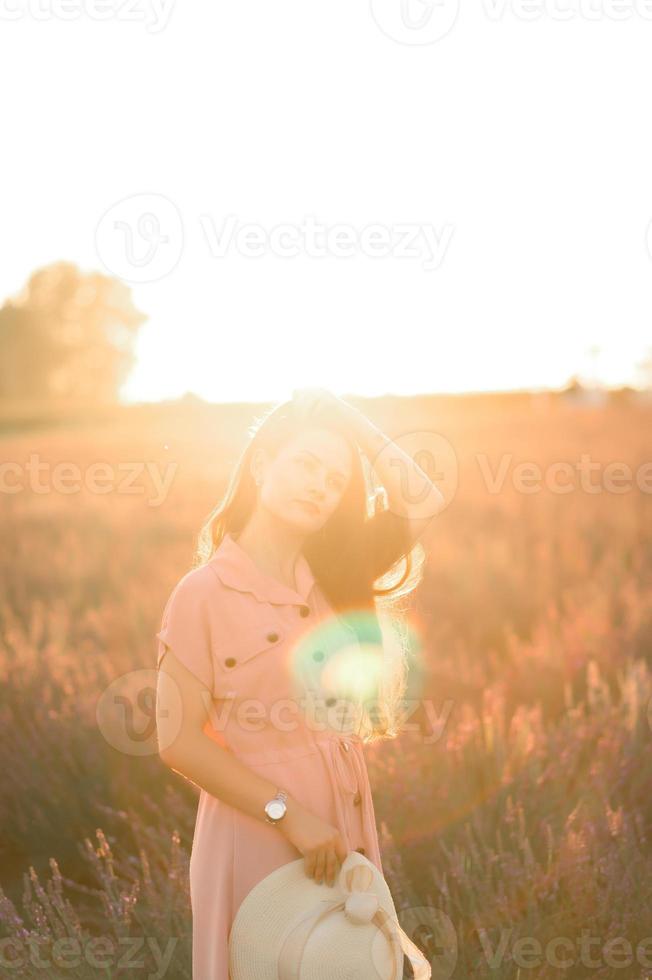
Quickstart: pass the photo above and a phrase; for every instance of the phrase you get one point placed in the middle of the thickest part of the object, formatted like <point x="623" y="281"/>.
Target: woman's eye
<point x="310" y="464"/>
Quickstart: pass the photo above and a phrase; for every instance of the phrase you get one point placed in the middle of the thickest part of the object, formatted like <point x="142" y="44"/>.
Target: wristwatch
<point x="276" y="808"/>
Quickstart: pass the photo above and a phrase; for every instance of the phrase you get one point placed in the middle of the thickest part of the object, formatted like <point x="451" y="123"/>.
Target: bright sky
<point x="374" y="197"/>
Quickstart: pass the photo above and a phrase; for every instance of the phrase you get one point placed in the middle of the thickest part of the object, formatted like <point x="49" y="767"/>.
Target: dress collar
<point x="236" y="569"/>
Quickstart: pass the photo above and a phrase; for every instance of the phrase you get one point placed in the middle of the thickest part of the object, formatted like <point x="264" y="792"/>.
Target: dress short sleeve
<point x="185" y="629"/>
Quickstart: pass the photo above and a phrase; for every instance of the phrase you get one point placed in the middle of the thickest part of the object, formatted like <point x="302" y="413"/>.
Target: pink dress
<point x="258" y="645"/>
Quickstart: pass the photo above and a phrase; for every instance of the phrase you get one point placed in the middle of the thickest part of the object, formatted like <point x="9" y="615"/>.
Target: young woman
<point x="271" y="638"/>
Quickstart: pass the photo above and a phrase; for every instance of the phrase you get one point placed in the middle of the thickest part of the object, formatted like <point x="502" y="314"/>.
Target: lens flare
<point x="343" y="663"/>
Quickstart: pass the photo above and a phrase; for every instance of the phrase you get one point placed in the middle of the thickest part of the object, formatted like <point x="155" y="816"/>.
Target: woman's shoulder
<point x="197" y="583"/>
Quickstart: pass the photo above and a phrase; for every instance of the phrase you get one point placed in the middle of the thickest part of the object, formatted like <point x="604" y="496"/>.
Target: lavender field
<point x="515" y="809"/>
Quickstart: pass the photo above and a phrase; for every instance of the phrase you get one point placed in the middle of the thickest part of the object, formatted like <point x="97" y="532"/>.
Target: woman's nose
<point x="316" y="493"/>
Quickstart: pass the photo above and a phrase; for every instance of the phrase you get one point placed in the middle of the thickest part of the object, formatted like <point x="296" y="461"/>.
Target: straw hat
<point x="290" y="928"/>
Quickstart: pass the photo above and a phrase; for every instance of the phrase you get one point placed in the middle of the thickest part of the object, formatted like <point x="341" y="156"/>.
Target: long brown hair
<point x="339" y="555"/>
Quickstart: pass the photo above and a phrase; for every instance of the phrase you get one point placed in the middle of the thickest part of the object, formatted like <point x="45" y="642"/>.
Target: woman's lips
<point x="310" y="507"/>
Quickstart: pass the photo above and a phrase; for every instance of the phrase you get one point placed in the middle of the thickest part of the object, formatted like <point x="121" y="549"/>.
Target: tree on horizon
<point x="67" y="335"/>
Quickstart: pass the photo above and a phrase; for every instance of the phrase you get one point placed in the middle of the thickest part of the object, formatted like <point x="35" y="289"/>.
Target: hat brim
<point x="274" y="907"/>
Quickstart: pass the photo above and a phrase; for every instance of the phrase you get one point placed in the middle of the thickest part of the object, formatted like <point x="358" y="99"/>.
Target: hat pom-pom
<point x="360" y="907"/>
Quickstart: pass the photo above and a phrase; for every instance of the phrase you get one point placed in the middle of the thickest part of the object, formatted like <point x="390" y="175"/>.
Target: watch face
<point x="275" y="809"/>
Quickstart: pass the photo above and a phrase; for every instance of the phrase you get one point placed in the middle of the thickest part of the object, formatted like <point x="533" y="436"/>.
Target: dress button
<point x="346" y="746"/>
<point x="360" y="850"/>
<point x="272" y="637"/>
<point x="230" y="661"/>
<point x="357" y="799"/>
<point x="304" y="610"/>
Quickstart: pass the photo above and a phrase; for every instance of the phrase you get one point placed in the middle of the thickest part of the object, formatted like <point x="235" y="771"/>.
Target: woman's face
<point x="313" y="468"/>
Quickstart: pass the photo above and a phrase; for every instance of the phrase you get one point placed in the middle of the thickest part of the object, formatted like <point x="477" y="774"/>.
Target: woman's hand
<point x="321" y="844"/>
<point x="313" y="402"/>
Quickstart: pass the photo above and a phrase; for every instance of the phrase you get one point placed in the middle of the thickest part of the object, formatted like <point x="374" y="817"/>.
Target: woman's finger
<point x="319" y="867"/>
<point x="340" y="850"/>
<point x="308" y="401"/>
<point x="309" y="864"/>
<point x="301" y="403"/>
<point x="331" y="866"/>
